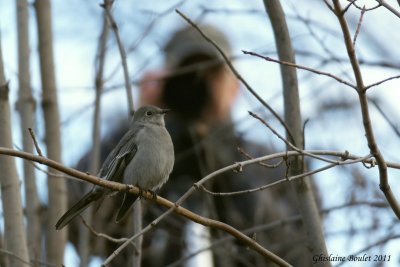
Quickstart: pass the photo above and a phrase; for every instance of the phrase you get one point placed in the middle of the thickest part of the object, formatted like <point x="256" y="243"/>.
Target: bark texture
<point x="302" y="187"/>
<point x="14" y="232"/>
<point x="26" y="107"/>
<point x="57" y="193"/>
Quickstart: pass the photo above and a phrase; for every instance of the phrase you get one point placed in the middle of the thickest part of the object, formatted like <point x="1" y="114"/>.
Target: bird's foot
<point x="140" y="192"/>
<point x="154" y="195"/>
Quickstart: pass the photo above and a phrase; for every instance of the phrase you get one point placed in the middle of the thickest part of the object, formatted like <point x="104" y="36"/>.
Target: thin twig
<point x="38" y="150"/>
<point x="109" y="238"/>
<point x="382" y="81"/>
<point x="107" y="4"/>
<point x="135" y="44"/>
<point x="175" y="207"/>
<point x="354" y="3"/>
<point x="290" y="178"/>
<point x="237" y="74"/>
<point x="289" y="144"/>
<point x="347" y="7"/>
<point x="391" y="123"/>
<point x="143" y="231"/>
<point x="99" y="86"/>
<point x="358" y="26"/>
<point x="272" y="225"/>
<point x="329" y="6"/>
<point x="107" y="184"/>
<point x="389" y="7"/>
<point x="49" y="173"/>
<point x="31" y="263"/>
<point x="301" y="67"/>
<point x="264" y="164"/>
<point x="369" y="132"/>
<point x="152" y="24"/>
<point x="53" y="174"/>
<point x="15" y="256"/>
<point x="321" y="40"/>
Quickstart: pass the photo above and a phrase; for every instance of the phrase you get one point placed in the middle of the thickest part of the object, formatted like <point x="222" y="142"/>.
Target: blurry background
<point x="332" y="108"/>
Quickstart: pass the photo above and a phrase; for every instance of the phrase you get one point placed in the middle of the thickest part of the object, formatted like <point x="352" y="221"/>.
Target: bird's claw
<point x="154" y="195"/>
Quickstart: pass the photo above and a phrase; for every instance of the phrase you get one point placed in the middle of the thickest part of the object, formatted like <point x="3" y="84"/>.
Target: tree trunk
<point x="26" y="108"/>
<point x="302" y="187"/>
<point x="84" y="238"/>
<point x="57" y="194"/>
<point x="14" y="232"/>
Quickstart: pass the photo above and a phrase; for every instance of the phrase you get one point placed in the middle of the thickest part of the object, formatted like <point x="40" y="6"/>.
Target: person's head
<point x="198" y="85"/>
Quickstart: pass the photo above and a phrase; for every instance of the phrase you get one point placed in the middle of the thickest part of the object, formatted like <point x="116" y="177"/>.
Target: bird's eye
<point x="149" y="113"/>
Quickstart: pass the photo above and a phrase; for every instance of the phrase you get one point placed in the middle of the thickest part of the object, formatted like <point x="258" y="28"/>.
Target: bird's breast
<point x="153" y="161"/>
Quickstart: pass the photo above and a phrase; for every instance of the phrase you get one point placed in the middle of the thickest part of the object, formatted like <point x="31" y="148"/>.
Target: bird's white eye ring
<point x="149" y="113"/>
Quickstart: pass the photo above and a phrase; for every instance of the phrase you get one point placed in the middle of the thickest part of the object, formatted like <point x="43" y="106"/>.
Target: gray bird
<point x="143" y="157"/>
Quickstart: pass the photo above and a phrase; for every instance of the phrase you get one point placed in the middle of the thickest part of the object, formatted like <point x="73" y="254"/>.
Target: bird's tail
<point x="80" y="206"/>
<point x="128" y="201"/>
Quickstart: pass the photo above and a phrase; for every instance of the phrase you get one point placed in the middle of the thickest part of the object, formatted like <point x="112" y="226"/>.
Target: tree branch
<point x="162" y="201"/>
<point x="382" y="81"/>
<point x="369" y="133"/>
<point x="107" y="4"/>
<point x="389" y="7"/>
<point x="290" y="178"/>
<point x="175" y="207"/>
<point x="301" y="67"/>
<point x="237" y="74"/>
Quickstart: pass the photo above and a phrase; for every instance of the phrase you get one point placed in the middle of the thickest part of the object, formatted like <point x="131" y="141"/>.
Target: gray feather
<point x="143" y="157"/>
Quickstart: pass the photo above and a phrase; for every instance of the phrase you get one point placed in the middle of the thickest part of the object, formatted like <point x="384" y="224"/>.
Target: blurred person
<point x="200" y="89"/>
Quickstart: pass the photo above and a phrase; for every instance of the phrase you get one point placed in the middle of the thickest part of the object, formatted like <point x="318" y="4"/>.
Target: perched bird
<point x="143" y="157"/>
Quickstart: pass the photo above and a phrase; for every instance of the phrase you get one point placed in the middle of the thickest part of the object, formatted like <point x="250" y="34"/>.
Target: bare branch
<point x="53" y="174"/>
<point x="152" y="24"/>
<point x="269" y="166"/>
<point x="273" y="225"/>
<point x="383" y="81"/>
<point x="301" y="67"/>
<point x="358" y="26"/>
<point x="369" y="133"/>
<point x="354" y="3"/>
<point x="290" y="178"/>
<point x="107" y="4"/>
<point x="20" y="259"/>
<point x="237" y="74"/>
<point x="173" y="207"/>
<point x="109" y="238"/>
<point x="38" y="150"/>
<point x="392" y="125"/>
<point x="289" y="144"/>
<point x="329" y="6"/>
<point x="389" y="7"/>
<point x="31" y="263"/>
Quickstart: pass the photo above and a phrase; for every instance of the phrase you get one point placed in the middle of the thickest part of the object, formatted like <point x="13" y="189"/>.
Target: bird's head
<point x="149" y="114"/>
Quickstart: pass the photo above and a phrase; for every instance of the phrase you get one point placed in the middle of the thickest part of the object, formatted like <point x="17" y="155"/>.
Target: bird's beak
<point x="163" y="111"/>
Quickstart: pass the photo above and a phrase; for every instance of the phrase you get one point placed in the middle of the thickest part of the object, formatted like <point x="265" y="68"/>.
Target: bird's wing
<point x="112" y="169"/>
<point x="114" y="166"/>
